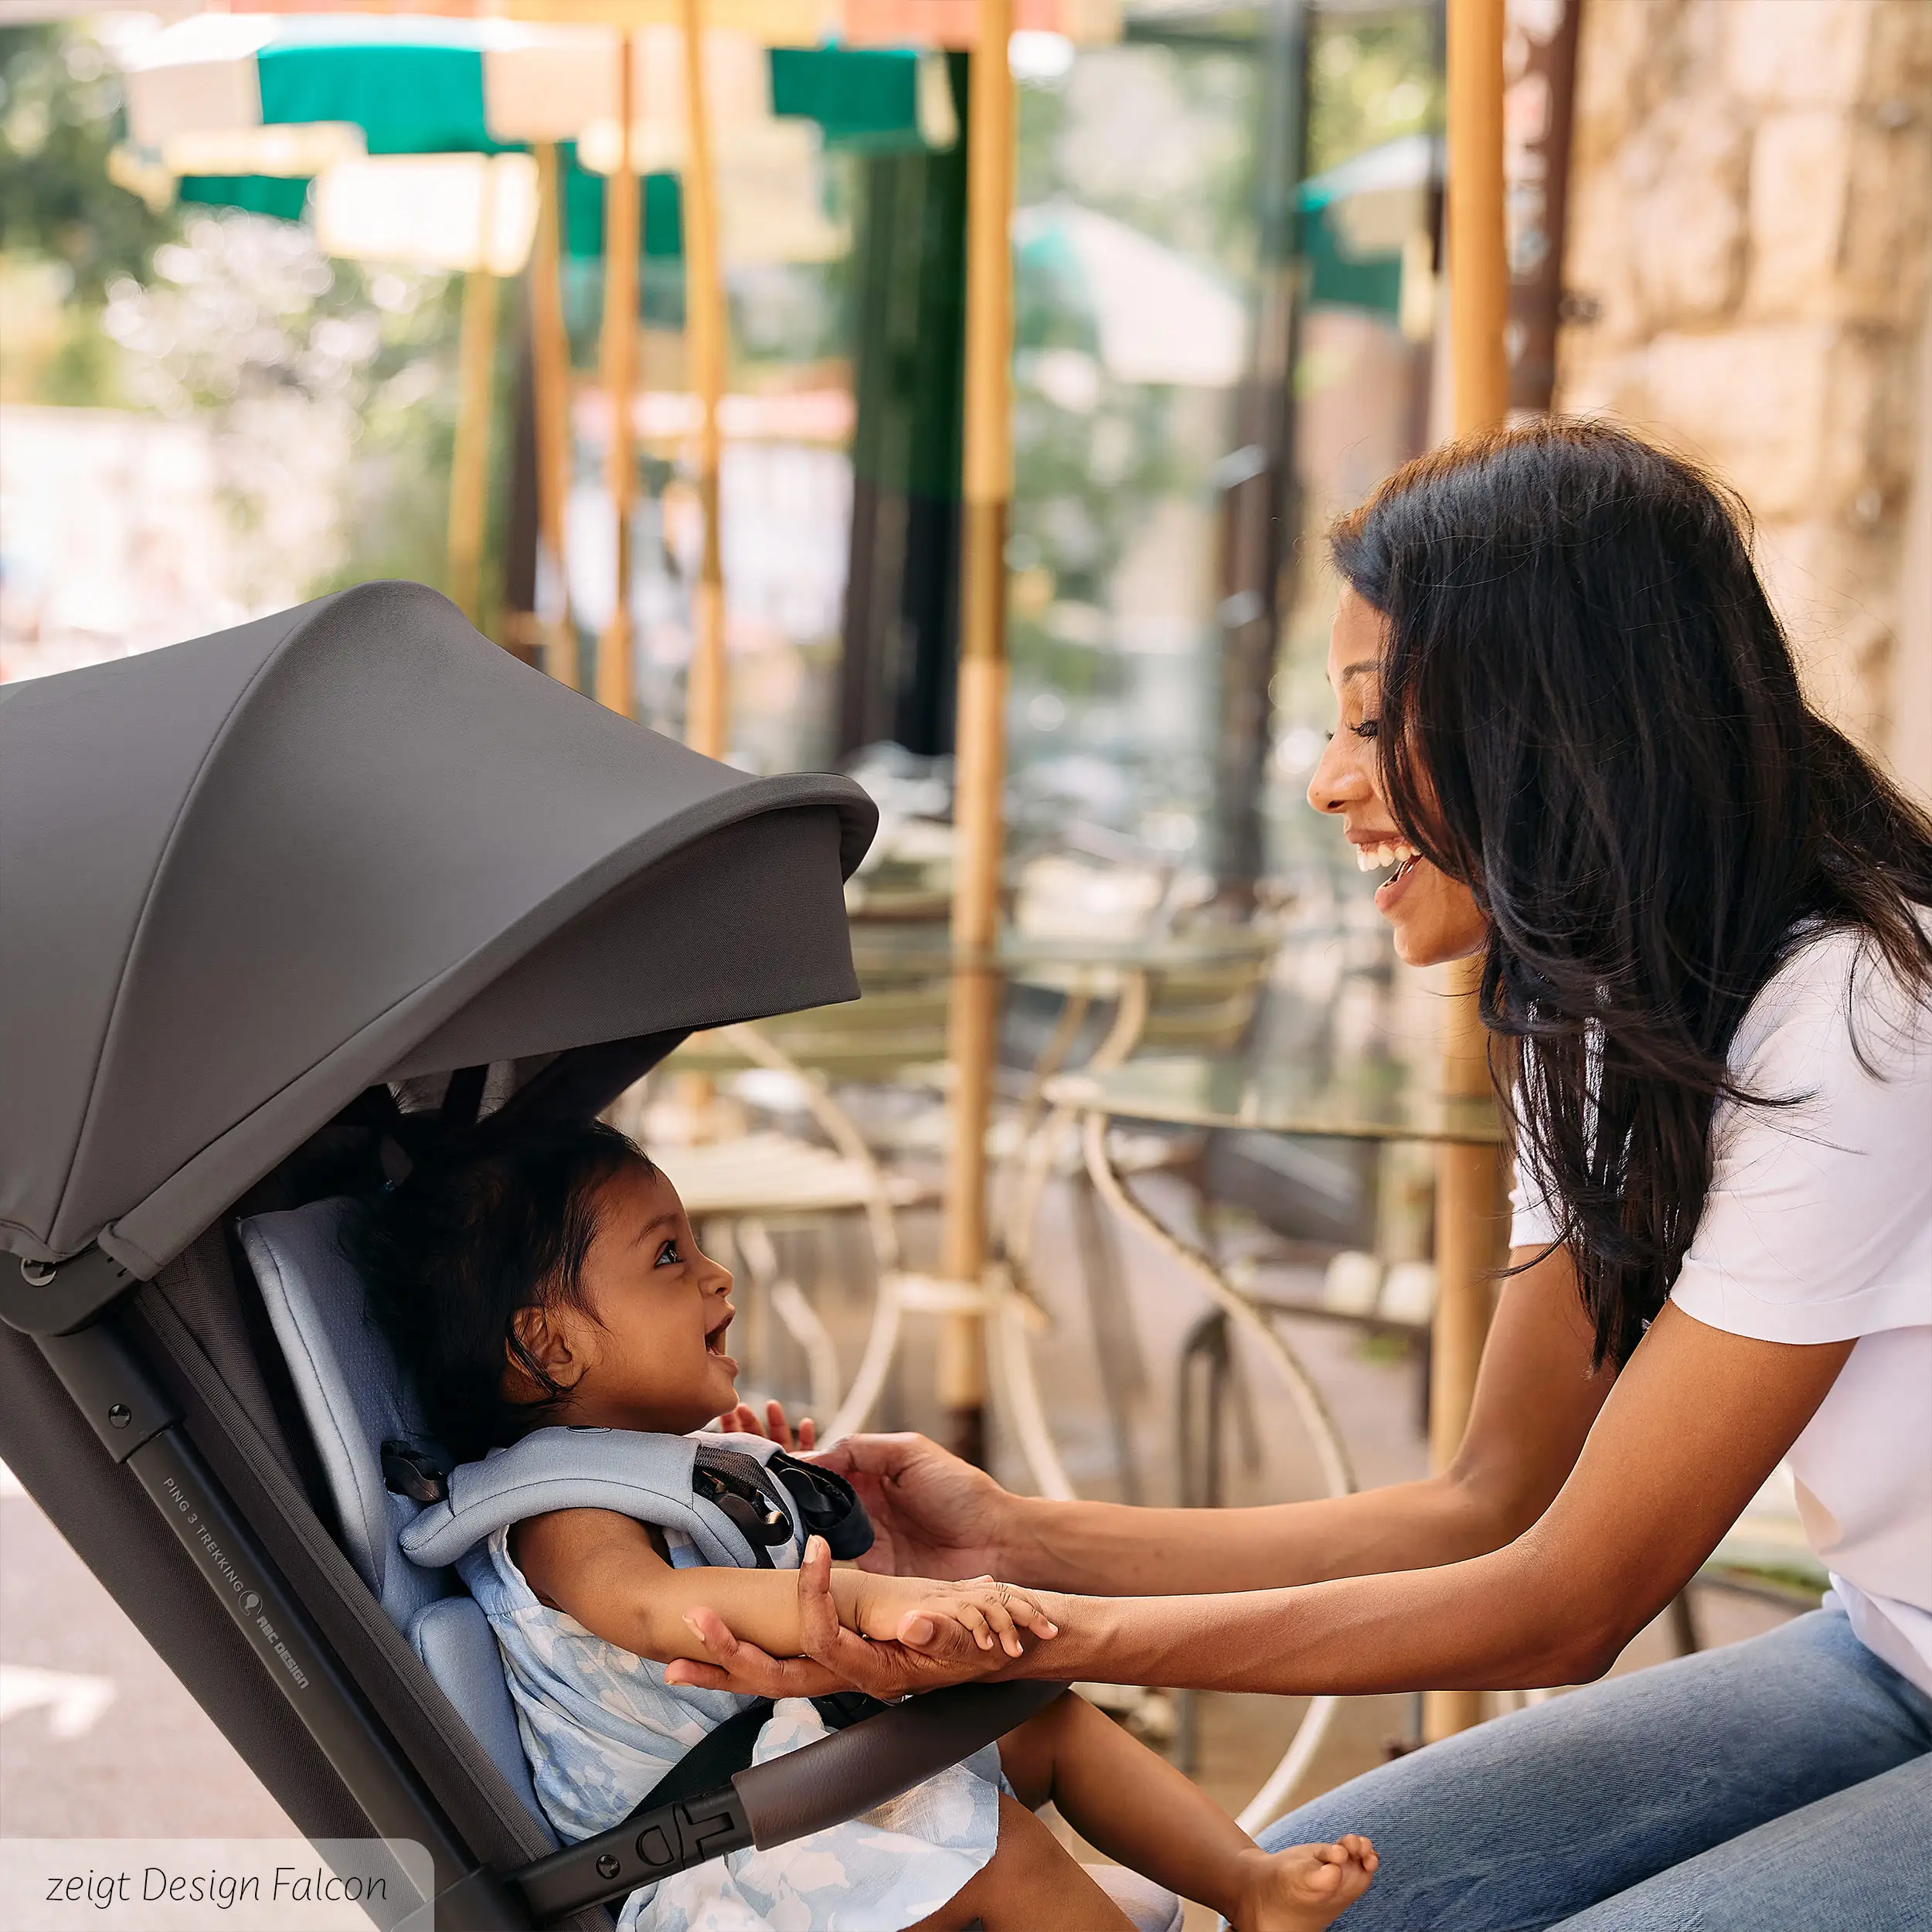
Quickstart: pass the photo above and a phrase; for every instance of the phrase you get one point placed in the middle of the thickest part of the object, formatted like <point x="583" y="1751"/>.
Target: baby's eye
<point x="668" y="1254"/>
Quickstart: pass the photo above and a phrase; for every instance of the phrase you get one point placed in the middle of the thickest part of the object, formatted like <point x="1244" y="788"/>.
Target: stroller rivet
<point x="607" y="1866"/>
<point x="121" y="1415"/>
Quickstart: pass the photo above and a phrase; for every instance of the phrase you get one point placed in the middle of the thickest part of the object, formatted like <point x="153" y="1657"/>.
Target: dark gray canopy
<point x="245" y="878"/>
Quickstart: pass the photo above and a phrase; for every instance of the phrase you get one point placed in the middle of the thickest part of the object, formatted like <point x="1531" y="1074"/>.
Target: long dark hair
<point x="1590" y="715"/>
<point x="487" y="1223"/>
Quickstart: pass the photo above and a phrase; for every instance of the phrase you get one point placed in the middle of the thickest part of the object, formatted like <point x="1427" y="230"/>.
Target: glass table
<point x="1374" y="1100"/>
<point x="1367" y="1098"/>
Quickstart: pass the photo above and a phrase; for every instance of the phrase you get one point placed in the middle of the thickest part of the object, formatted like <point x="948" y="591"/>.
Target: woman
<point x="1706" y="965"/>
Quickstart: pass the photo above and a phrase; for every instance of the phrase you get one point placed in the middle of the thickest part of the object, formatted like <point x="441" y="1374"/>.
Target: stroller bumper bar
<point x="822" y="1784"/>
<point x="646" y="1847"/>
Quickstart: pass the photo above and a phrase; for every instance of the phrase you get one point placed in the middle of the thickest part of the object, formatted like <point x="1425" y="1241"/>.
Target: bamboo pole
<point x="470" y="456"/>
<point x="1469" y="1188"/>
<point x="619" y="376"/>
<point x="707" y="692"/>
<point x="550" y="360"/>
<point x="978" y="814"/>
<point x="1478" y="268"/>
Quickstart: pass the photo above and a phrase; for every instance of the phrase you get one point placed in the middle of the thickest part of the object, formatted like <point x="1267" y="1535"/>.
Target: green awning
<point x="662" y="212"/>
<point x="868" y="100"/>
<point x="407" y="100"/>
<point x="285" y="196"/>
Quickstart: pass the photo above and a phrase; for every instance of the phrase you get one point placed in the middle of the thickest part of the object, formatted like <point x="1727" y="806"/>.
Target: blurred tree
<point x="907" y="303"/>
<point x="342" y="372"/>
<point x="60" y="114"/>
<point x="1374" y="77"/>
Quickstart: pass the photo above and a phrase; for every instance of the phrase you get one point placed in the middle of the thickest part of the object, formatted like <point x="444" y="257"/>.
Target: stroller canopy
<point x="244" y="879"/>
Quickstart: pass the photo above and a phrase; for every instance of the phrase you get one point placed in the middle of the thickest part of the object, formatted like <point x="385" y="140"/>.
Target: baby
<point x="550" y="1276"/>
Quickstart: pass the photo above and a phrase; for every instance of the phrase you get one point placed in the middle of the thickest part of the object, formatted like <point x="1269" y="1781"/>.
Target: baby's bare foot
<point x="1305" y="1886"/>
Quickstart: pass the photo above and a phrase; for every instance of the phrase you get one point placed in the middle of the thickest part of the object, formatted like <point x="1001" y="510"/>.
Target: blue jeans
<point x="1780" y="1785"/>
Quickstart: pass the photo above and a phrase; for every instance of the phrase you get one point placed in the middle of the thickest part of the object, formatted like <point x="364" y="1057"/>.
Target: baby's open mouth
<point x="714" y="1338"/>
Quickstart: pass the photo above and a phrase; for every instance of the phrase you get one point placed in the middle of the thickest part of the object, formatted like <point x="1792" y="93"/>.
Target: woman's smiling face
<point x="1435" y="918"/>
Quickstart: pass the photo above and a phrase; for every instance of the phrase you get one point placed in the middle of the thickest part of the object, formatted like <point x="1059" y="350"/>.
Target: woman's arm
<point x="603" y="1570"/>
<point x="1696" y="1422"/>
<point x="1535" y="1401"/>
<point x="1694" y="1425"/>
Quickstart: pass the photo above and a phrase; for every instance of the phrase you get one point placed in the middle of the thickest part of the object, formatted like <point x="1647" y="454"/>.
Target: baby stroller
<point x="263" y="896"/>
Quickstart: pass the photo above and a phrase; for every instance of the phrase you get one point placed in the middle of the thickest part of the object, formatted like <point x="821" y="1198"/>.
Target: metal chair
<point x="1206" y="1005"/>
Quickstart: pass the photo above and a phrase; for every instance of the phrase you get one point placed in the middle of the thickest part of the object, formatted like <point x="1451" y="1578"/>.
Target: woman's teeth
<point x="1374" y="857"/>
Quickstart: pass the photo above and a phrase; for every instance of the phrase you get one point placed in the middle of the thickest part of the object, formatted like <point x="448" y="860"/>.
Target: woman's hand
<point x="836" y="1659"/>
<point x="932" y="1514"/>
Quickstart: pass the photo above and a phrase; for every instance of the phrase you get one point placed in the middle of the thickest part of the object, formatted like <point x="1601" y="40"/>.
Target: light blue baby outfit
<point x="600" y="1727"/>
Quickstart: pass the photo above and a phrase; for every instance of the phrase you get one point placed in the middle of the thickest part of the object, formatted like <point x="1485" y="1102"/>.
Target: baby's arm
<point x="603" y="1570"/>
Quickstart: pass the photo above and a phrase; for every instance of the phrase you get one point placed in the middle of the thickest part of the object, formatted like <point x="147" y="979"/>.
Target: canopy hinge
<point x="56" y="1298"/>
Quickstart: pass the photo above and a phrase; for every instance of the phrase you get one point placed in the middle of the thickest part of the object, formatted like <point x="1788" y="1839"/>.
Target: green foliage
<point x="1159" y="137"/>
<point x="395" y="506"/>
<point x="60" y="114"/>
<point x="233" y="317"/>
<point x="1372" y="78"/>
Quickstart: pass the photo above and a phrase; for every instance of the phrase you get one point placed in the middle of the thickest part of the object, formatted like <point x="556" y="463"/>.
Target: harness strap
<point x="718" y="1757"/>
<point x="713" y="1761"/>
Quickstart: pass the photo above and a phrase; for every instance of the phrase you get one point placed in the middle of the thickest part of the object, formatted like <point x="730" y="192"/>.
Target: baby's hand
<point x="907" y="1610"/>
<point x="743" y="1421"/>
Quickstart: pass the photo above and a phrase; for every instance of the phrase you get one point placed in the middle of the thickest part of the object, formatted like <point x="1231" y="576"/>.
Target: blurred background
<point x="227" y="386"/>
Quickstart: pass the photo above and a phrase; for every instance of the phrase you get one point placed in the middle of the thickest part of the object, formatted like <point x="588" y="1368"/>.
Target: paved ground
<point x="96" y="1737"/>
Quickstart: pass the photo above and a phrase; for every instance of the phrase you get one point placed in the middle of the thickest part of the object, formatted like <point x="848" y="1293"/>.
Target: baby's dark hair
<point x="485" y="1224"/>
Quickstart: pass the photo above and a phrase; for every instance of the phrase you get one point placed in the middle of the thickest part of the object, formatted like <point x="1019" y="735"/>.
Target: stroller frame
<point x="224" y="1018"/>
<point x="142" y="1429"/>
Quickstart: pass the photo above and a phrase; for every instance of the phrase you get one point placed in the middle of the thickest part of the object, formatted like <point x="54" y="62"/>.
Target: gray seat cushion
<point x="458" y="1648"/>
<point x="355" y="1396"/>
<point x="350" y="1390"/>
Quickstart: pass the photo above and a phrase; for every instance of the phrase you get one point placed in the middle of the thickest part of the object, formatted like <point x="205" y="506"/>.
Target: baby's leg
<point x="1306" y="1886"/>
<point x="1032" y="1881"/>
<point x="1137" y="1809"/>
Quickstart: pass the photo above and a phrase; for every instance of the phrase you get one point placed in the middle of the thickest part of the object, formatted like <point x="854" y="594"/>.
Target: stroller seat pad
<point x="350" y="1390"/>
<point x="457" y="1648"/>
<point x="355" y="1398"/>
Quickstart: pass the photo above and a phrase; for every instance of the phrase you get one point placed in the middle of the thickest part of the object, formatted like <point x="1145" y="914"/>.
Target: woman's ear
<point x="541" y="1340"/>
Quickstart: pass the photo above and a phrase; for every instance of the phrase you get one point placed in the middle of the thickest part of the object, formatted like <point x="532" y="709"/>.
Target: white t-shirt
<point x="1818" y="1228"/>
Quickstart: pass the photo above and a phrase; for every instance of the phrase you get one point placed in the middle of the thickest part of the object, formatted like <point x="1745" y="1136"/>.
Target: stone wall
<point x="1747" y="269"/>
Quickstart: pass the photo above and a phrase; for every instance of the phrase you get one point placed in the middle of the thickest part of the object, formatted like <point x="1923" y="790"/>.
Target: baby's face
<point x="653" y="1358"/>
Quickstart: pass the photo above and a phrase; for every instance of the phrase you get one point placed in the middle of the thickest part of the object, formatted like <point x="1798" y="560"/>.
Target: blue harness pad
<point x="733" y="1501"/>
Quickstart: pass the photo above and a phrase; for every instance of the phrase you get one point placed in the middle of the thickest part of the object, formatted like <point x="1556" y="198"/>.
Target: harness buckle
<point x="413" y="1470"/>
